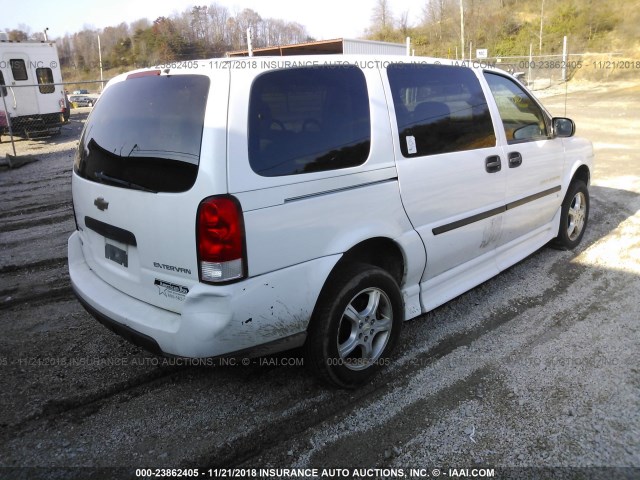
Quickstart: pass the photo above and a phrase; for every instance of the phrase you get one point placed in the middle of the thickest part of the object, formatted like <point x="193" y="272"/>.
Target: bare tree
<point x="382" y="21"/>
<point x="248" y="19"/>
<point x="403" y="23"/>
<point x="437" y="14"/>
<point x="219" y="16"/>
<point x="382" y="18"/>
<point x="200" y="24"/>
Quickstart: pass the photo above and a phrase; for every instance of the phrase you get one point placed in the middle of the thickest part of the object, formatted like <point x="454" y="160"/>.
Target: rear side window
<point x="145" y="133"/>
<point x="305" y="120"/>
<point x="439" y="109"/>
<point x="18" y="69"/>
<point x="45" y="80"/>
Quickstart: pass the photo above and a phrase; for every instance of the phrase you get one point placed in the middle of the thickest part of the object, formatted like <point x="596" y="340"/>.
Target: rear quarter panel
<point x="298" y="218"/>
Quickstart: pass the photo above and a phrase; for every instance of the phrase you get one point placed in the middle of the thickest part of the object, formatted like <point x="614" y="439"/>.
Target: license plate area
<point x="116" y="252"/>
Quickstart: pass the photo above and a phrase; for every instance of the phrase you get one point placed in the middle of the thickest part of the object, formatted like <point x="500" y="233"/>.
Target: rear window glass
<point x="305" y="120"/>
<point x="439" y="109"/>
<point x="45" y="80"/>
<point x="145" y="133"/>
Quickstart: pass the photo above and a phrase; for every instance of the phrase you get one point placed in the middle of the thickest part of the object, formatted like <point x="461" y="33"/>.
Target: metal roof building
<point x="335" y="46"/>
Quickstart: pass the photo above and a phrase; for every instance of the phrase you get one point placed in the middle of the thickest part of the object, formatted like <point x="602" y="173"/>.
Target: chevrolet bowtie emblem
<point x="101" y="203"/>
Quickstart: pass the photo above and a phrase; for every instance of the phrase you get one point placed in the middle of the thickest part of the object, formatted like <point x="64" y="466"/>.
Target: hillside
<point x="511" y="27"/>
<point x="503" y="27"/>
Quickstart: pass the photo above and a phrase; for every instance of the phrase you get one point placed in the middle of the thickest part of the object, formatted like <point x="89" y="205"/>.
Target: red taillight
<point x="220" y="240"/>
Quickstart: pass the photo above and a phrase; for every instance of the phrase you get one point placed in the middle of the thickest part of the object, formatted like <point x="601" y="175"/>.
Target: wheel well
<point x="381" y="252"/>
<point x="582" y="174"/>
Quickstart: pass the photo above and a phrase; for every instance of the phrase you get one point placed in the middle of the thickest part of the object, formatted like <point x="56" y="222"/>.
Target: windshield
<point x="145" y="133"/>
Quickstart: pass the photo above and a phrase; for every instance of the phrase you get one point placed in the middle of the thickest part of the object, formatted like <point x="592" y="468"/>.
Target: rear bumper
<point x="254" y="317"/>
<point x="129" y="334"/>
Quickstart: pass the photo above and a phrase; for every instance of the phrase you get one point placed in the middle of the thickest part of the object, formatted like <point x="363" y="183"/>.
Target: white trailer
<point x="31" y="90"/>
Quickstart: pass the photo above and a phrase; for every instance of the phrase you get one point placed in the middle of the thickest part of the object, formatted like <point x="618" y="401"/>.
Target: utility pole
<point x="100" y="63"/>
<point x="249" y="46"/>
<point x="541" y="20"/>
<point x="564" y="59"/>
<point x="529" y="84"/>
<point x="462" y="29"/>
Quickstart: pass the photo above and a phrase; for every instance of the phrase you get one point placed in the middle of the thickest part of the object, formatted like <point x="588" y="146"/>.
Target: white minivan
<point x="243" y="207"/>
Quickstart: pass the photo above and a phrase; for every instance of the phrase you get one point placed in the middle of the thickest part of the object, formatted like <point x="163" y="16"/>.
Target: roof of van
<point x="363" y="61"/>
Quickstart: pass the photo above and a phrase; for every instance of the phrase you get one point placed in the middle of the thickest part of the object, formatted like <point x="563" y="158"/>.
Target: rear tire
<point x="573" y="217"/>
<point x="355" y="325"/>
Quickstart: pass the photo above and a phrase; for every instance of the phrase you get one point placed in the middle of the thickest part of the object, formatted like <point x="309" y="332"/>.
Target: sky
<point x="335" y="18"/>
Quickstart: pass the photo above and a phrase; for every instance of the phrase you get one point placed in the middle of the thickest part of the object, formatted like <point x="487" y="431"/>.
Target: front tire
<point x="573" y="217"/>
<point x="355" y="325"/>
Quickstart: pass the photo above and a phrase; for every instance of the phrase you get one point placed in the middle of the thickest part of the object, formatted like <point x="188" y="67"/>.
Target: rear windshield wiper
<point x="117" y="181"/>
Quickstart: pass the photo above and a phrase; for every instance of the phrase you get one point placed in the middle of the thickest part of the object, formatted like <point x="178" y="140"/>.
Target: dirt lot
<point x="537" y="367"/>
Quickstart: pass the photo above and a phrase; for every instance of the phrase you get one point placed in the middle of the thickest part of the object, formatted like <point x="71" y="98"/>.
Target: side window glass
<point x="522" y="118"/>
<point x="45" y="80"/>
<point x="439" y="109"/>
<point x="18" y="69"/>
<point x="305" y="120"/>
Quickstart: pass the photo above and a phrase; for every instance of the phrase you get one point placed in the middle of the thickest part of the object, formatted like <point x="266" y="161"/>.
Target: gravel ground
<point x="537" y="367"/>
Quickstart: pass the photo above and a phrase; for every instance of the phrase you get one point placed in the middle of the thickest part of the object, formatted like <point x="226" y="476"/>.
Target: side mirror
<point x="563" y="127"/>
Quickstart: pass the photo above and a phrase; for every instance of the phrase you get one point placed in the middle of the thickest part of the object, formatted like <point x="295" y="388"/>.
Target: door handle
<point x="492" y="164"/>
<point x="515" y="159"/>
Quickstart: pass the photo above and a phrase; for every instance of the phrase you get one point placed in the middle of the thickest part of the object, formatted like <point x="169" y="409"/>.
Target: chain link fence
<point x="32" y="115"/>
<point x="546" y="71"/>
<point x="540" y="72"/>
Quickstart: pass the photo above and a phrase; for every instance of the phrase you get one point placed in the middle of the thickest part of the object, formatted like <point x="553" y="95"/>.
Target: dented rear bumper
<point x="257" y="316"/>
